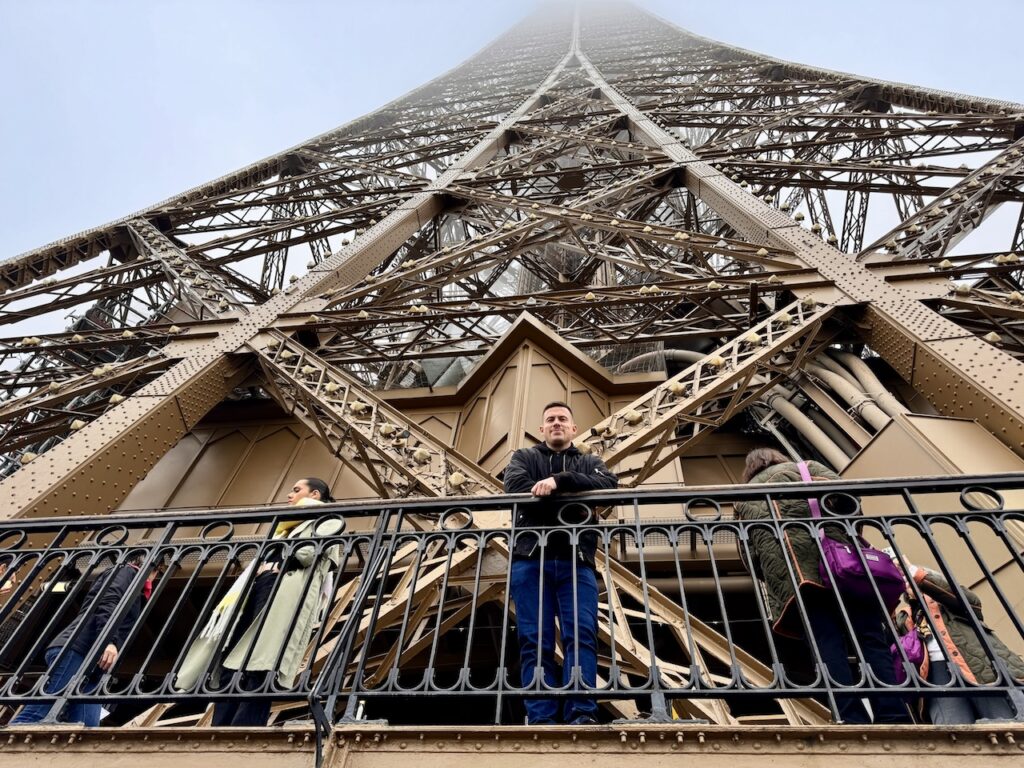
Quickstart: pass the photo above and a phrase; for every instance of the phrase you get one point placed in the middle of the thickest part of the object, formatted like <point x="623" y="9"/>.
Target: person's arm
<point x="597" y="477"/>
<point x="105" y="605"/>
<point x="933" y="584"/>
<point x="517" y="476"/>
<point x="305" y="555"/>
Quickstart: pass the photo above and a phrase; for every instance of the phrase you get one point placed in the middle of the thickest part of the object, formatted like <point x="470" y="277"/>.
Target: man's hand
<point x="544" y="487"/>
<point x="108" y="658"/>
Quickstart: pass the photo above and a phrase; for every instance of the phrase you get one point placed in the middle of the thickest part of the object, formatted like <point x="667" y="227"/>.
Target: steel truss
<point x="627" y="184"/>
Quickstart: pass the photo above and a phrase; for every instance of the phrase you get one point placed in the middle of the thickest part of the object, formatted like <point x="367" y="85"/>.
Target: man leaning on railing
<point x="558" y="576"/>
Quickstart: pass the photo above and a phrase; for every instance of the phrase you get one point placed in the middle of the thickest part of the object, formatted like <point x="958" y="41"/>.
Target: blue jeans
<point x="956" y="710"/>
<point x="539" y="595"/>
<point x="60" y="676"/>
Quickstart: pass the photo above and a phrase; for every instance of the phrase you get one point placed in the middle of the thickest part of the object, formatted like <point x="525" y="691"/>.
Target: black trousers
<point x="253" y="711"/>
<point x="830" y="637"/>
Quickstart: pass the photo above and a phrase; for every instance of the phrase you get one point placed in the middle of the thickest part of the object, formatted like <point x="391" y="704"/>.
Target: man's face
<point x="557" y="427"/>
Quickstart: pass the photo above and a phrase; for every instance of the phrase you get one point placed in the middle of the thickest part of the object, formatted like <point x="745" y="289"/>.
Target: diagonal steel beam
<point x="737" y="372"/>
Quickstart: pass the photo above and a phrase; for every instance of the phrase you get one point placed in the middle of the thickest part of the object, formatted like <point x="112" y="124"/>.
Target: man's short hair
<point x="555" y="404"/>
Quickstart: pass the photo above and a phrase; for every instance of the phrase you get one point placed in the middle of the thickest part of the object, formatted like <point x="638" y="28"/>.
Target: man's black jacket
<point x="574" y="472"/>
<point x="101" y="600"/>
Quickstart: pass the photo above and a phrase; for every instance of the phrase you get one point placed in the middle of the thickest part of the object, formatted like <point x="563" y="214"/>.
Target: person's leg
<point x="254" y="712"/>
<point x="60" y="676"/>
<point x="535" y="627"/>
<point x="577" y="615"/>
<point x="947" y="710"/>
<point x="224" y="713"/>
<point x="829" y="637"/>
<point x="874" y="640"/>
<point x="88" y="713"/>
<point x="993" y="707"/>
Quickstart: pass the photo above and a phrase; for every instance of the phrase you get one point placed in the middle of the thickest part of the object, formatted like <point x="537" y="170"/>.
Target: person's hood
<point x="570" y="450"/>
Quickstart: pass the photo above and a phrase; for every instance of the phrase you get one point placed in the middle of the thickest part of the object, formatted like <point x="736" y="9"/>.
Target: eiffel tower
<point x="701" y="248"/>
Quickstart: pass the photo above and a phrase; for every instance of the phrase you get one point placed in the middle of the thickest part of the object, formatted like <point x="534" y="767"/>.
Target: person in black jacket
<point x="65" y="655"/>
<point x="553" y="574"/>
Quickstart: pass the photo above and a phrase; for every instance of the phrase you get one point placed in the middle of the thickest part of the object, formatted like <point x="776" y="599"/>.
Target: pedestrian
<point x="955" y="644"/>
<point x="798" y="551"/>
<point x="65" y="656"/>
<point x="290" y="593"/>
<point x="551" y="574"/>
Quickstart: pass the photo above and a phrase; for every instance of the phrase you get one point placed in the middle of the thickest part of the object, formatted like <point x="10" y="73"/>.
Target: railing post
<point x="331" y="679"/>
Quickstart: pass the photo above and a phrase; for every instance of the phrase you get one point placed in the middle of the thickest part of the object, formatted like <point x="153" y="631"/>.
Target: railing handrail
<point x="426" y="504"/>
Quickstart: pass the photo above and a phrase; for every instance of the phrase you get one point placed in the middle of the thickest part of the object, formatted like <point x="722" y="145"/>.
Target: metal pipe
<point x="832" y="453"/>
<point x="871" y="384"/>
<point x="676" y="355"/>
<point x="702" y="584"/>
<point x="827" y="362"/>
<point x="835" y="433"/>
<point x="767" y="421"/>
<point x="857" y="400"/>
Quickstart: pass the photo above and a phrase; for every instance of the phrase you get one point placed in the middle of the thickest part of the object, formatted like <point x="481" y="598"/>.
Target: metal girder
<point x="767" y="122"/>
<point x="199" y="292"/>
<point x="462" y="205"/>
<point x="671" y="312"/>
<point x="66" y="406"/>
<point x="899" y="328"/>
<point x="680" y="410"/>
<point x="938" y="226"/>
<point x="391" y="453"/>
<point x="189" y="389"/>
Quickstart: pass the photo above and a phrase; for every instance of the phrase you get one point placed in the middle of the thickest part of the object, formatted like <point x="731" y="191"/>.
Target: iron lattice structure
<point x="650" y="199"/>
<point x="631" y="187"/>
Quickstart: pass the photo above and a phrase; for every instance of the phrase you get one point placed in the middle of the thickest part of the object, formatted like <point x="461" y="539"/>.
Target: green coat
<point x="292" y="595"/>
<point x="769" y="556"/>
<point x="963" y="647"/>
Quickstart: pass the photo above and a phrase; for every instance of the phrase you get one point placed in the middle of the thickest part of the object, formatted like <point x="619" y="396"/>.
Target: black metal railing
<point x="376" y="607"/>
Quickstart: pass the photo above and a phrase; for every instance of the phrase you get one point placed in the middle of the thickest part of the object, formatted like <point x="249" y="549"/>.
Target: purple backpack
<point x="913" y="646"/>
<point x="842" y="566"/>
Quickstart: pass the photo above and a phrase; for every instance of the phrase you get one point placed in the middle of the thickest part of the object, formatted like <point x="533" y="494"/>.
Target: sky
<point x="109" y="106"/>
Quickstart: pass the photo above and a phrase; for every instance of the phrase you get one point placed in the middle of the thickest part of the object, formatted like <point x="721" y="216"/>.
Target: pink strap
<point x="805" y="474"/>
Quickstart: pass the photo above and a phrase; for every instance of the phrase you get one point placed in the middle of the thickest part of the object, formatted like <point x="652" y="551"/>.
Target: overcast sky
<point x="108" y="106"/>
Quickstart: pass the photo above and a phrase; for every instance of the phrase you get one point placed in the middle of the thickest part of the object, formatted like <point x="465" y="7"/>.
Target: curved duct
<point x="832" y="453"/>
<point x="664" y="355"/>
<point x="870" y="383"/>
<point x="827" y="362"/>
<point x="857" y="400"/>
<point x="838" y="436"/>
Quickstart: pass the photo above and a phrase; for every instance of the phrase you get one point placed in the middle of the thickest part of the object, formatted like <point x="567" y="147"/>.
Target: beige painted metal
<point x="733" y="372"/>
<point x="96" y="469"/>
<point x="175" y="402"/>
<point x="930" y="446"/>
<point x="621" y="746"/>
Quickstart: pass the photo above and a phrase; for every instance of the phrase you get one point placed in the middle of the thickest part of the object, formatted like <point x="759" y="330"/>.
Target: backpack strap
<point x="805" y="475"/>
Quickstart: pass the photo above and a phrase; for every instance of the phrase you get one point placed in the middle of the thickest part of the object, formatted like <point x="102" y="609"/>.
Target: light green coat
<point x="292" y="595"/>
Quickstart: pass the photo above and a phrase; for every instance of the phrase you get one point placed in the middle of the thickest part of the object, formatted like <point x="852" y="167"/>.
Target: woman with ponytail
<point x="292" y="584"/>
